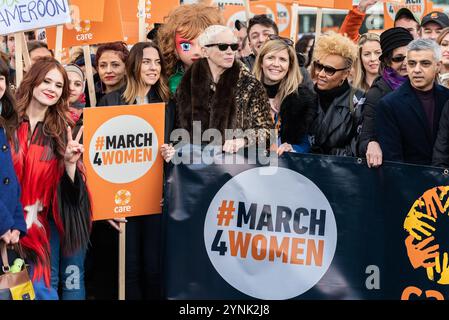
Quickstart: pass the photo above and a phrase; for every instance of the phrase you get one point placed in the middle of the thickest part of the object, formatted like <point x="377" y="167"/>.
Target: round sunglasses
<point x="224" y="46"/>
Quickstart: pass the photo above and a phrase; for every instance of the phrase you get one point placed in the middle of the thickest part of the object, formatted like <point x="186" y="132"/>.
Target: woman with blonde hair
<point x="335" y="128"/>
<point x="293" y="106"/>
<point x="443" y="41"/>
<point x="366" y="68"/>
<point x="178" y="38"/>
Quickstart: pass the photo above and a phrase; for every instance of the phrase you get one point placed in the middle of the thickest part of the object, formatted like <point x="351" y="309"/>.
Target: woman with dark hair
<point x="12" y="223"/>
<point x="145" y="83"/>
<point x="110" y="61"/>
<point x="48" y="166"/>
<point x="393" y="73"/>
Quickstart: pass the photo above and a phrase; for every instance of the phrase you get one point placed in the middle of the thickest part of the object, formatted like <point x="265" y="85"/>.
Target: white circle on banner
<point x="283" y="20"/>
<point x="123" y="149"/>
<point x="277" y="258"/>
<point x="417" y="7"/>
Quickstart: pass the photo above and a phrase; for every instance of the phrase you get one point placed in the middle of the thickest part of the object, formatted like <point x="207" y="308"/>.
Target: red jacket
<point x="352" y="24"/>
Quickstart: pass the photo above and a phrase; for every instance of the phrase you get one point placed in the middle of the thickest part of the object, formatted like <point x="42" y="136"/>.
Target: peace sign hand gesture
<point x="74" y="148"/>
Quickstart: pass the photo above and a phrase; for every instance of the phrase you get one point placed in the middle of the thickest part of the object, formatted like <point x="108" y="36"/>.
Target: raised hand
<point x="366" y="4"/>
<point x="74" y="148"/>
<point x="418" y="254"/>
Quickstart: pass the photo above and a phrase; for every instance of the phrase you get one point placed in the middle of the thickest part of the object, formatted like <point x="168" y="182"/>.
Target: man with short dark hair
<point x="408" y="20"/>
<point x="407" y="119"/>
<point x="432" y="24"/>
<point x="259" y="28"/>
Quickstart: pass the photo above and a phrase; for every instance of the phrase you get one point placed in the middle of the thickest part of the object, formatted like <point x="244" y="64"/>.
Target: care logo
<point x="425" y="240"/>
<point x="123" y="149"/>
<point x="270" y="236"/>
<point x="122" y="197"/>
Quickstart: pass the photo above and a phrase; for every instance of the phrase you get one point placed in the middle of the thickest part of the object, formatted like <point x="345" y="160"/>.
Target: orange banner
<point x="124" y="166"/>
<point x="87" y="32"/>
<point x="419" y="7"/>
<point x="92" y="10"/>
<point x="155" y="13"/>
<point x="231" y="13"/>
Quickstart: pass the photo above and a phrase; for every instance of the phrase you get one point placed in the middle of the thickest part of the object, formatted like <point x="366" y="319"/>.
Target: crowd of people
<point x="380" y="97"/>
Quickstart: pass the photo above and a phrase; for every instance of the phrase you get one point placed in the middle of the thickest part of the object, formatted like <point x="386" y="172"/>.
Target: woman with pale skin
<point x="393" y="73"/>
<point x="111" y="59"/>
<point x="443" y="41"/>
<point x="222" y="94"/>
<point x="366" y="68"/>
<point x="145" y="84"/>
<point x="44" y="150"/>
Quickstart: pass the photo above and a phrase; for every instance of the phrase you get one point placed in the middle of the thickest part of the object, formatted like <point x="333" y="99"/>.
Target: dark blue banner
<point x="313" y="227"/>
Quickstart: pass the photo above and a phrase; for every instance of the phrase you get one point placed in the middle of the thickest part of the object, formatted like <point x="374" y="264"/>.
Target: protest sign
<point x="124" y="167"/>
<point x="23" y="15"/>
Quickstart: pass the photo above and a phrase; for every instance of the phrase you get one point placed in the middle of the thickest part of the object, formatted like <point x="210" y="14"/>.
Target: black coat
<point x="378" y="90"/>
<point x="297" y="112"/>
<point x="440" y="157"/>
<point x="336" y="131"/>
<point x="402" y="127"/>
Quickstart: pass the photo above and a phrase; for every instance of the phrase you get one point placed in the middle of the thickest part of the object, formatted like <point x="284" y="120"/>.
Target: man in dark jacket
<point x="407" y="120"/>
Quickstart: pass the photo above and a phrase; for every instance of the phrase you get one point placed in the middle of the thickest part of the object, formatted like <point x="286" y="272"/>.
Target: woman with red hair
<point x="47" y="163"/>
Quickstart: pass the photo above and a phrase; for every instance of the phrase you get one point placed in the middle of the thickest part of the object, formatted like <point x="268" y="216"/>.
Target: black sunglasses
<point x="287" y="41"/>
<point x="398" y="59"/>
<point x="224" y="46"/>
<point x="330" y="71"/>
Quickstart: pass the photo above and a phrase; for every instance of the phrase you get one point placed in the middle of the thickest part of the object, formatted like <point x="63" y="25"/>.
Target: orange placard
<point x="123" y="164"/>
<point x="92" y="10"/>
<point x="231" y="13"/>
<point x="419" y="7"/>
<point x="284" y="18"/>
<point x="155" y="12"/>
<point x="87" y="32"/>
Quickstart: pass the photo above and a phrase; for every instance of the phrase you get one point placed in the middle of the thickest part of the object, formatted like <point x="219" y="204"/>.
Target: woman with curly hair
<point x="178" y="38"/>
<point x="48" y="166"/>
<point x="339" y="105"/>
<point x="293" y="106"/>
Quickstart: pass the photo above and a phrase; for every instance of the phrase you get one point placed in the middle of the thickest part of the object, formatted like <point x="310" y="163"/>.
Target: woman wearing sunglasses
<point x="222" y="94"/>
<point x="334" y="130"/>
<point x="393" y="73"/>
<point x="293" y="106"/>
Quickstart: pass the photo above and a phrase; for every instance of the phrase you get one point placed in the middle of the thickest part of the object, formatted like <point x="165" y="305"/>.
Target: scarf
<point x="326" y="97"/>
<point x="393" y="79"/>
